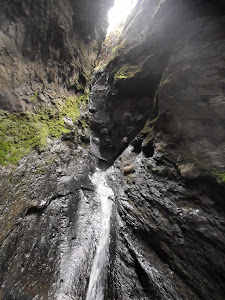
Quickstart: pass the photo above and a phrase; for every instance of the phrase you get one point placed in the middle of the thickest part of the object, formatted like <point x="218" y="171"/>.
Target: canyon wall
<point x="48" y="53"/>
<point x="160" y="90"/>
<point x="156" y="120"/>
<point x="48" y="49"/>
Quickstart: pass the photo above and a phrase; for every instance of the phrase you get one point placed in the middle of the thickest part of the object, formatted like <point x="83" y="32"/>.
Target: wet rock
<point x="47" y="216"/>
<point x="117" y="119"/>
<point x="167" y="245"/>
<point x="167" y="224"/>
<point x="64" y="186"/>
<point x="165" y="235"/>
<point x="163" y="63"/>
<point x="129" y="169"/>
<point x="188" y="171"/>
<point x="148" y="146"/>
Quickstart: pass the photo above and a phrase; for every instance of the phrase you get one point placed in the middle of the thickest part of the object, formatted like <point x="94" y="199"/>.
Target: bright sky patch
<point x="119" y="13"/>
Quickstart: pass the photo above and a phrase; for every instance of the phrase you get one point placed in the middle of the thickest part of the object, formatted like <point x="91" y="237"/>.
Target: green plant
<point x="34" y="97"/>
<point x="219" y="175"/>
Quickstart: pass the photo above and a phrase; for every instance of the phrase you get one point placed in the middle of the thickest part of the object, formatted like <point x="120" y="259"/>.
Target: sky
<point x="119" y="12"/>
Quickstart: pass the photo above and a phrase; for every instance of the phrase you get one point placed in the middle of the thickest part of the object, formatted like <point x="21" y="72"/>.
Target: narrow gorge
<point x="112" y="151"/>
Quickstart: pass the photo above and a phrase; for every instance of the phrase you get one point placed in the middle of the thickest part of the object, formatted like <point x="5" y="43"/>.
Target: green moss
<point x="114" y="49"/>
<point x="126" y="71"/>
<point x="148" y="131"/>
<point x="219" y="175"/>
<point x="117" y="77"/>
<point x="79" y="86"/>
<point x="4" y="149"/>
<point x="22" y="132"/>
<point x="87" y="77"/>
<point x="83" y="82"/>
<point x="34" y="97"/>
<point x="149" y="126"/>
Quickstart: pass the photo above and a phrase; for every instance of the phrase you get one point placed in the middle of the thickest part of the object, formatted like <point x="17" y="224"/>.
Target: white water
<point x="98" y="271"/>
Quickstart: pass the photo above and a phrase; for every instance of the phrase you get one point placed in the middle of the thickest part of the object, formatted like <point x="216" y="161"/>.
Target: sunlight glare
<point x="119" y="13"/>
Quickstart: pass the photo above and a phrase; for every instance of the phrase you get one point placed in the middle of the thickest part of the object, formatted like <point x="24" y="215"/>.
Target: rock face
<point x="41" y="237"/>
<point x="48" y="52"/>
<point x="168" y="234"/>
<point x="47" y="200"/>
<point x="156" y="116"/>
<point x="172" y="54"/>
<point x="48" y="49"/>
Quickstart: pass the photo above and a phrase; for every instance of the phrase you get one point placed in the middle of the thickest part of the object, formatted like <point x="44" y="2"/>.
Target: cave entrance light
<point x="119" y="13"/>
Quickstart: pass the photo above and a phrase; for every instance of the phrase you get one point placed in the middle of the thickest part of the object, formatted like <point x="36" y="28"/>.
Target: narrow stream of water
<point x="98" y="271"/>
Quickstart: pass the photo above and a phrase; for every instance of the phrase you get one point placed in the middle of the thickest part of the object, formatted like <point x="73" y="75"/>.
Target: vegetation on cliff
<point x="21" y="132"/>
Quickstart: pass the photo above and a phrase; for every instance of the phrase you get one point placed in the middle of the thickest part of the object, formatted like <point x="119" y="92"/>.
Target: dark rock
<point x="45" y="49"/>
<point x="163" y="92"/>
<point x="170" y="236"/>
<point x="170" y="217"/>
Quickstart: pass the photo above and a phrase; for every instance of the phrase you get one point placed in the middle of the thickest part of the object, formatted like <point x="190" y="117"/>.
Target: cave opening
<point x="118" y="14"/>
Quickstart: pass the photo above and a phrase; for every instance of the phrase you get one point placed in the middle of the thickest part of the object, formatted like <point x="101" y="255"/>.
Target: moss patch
<point x="34" y="97"/>
<point x="22" y="132"/>
<point x="149" y="126"/>
<point x="126" y="71"/>
<point x="219" y="175"/>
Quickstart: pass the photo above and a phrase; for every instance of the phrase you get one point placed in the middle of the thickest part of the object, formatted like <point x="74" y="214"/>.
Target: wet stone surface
<point x="166" y="234"/>
<point x="48" y="252"/>
<point x="170" y="233"/>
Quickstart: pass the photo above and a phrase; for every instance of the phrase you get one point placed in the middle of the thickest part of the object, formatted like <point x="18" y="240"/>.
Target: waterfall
<point x="98" y="271"/>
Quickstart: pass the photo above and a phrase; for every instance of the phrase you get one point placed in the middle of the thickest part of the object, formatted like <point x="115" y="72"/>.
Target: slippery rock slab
<point x="169" y="233"/>
<point x="48" y="210"/>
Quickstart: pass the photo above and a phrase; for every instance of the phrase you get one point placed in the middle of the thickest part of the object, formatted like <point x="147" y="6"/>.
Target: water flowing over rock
<point x="98" y="272"/>
<point x="123" y="198"/>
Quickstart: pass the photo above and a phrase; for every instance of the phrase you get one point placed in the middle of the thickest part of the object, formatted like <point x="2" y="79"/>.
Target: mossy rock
<point x="219" y="174"/>
<point x="126" y="72"/>
<point x="22" y="132"/>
